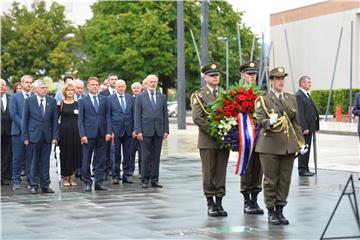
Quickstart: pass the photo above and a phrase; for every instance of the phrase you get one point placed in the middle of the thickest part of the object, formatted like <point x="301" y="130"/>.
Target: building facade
<point x="313" y="34"/>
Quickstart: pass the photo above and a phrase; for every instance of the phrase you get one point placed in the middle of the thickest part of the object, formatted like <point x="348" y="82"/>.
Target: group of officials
<point x="284" y="127"/>
<point x="113" y="119"/>
<point x="130" y="122"/>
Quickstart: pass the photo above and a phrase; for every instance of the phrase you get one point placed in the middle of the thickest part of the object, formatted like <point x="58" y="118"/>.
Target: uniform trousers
<point x="252" y="179"/>
<point x="277" y="177"/>
<point x="214" y="164"/>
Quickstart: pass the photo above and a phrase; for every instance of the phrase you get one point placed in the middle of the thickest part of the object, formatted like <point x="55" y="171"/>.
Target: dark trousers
<point x="252" y="179"/>
<point x="108" y="159"/>
<point x="20" y="158"/>
<point x="214" y="164"/>
<point x="6" y="158"/>
<point x="135" y="147"/>
<point x="98" y="146"/>
<point x="40" y="163"/>
<point x="122" y="143"/>
<point x="303" y="160"/>
<point x="150" y="152"/>
<point x="277" y="178"/>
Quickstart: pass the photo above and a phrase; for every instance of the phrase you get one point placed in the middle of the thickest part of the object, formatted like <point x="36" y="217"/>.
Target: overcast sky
<point x="257" y="12"/>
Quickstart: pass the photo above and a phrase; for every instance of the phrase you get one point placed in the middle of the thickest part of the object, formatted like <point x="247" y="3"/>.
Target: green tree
<point x="134" y="39"/>
<point x="32" y="42"/>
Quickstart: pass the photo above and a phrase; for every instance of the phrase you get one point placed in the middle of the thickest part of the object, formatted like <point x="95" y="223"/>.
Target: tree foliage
<point x="32" y="42"/>
<point x="134" y="39"/>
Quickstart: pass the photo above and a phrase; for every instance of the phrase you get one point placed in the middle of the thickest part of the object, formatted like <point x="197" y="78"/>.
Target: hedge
<point x="339" y="97"/>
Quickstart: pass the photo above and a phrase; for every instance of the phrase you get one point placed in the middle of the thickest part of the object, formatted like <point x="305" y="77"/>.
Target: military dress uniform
<point x="251" y="181"/>
<point x="214" y="159"/>
<point x="277" y="145"/>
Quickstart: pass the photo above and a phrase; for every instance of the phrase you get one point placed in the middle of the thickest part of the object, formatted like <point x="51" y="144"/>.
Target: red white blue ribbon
<point x="246" y="141"/>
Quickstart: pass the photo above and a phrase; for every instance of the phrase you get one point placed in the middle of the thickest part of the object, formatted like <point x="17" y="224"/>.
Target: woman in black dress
<point x="70" y="145"/>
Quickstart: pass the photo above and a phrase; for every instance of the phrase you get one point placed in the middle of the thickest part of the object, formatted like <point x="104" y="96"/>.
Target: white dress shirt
<point x="149" y="92"/>
<point x="4" y="101"/>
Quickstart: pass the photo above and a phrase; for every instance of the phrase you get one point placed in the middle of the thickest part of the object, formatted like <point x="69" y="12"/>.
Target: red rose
<point x="245" y="104"/>
<point x="226" y="102"/>
<point x="231" y="93"/>
<point x="240" y="90"/>
<point x="216" y="118"/>
<point x="219" y="110"/>
<point x="227" y="114"/>
<point x="251" y="104"/>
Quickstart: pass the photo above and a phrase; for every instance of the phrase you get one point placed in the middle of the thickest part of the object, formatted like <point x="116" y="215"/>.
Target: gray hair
<point x="120" y="81"/>
<point x="38" y="83"/>
<point x="302" y="79"/>
<point x="3" y="81"/>
<point x="136" y="84"/>
<point x="78" y="82"/>
<point x="152" y="76"/>
<point x="25" y="77"/>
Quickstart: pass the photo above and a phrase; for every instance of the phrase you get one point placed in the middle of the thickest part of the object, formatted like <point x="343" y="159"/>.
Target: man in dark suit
<point x="152" y="127"/>
<point x="95" y="131"/>
<point x="309" y="121"/>
<point x="5" y="135"/>
<point x="110" y="147"/>
<point x="356" y="110"/>
<point x="136" y="89"/>
<point x="40" y="129"/>
<point x="16" y="108"/>
<point x="122" y="125"/>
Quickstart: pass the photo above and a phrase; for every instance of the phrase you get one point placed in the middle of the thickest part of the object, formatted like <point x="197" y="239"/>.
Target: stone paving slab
<point x="178" y="211"/>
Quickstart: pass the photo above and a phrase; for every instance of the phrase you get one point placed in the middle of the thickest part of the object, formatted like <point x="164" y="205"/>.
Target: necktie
<point x="281" y="97"/>
<point x="153" y="99"/>
<point x="113" y="92"/>
<point x="215" y="92"/>
<point x="2" y="106"/>
<point x="27" y="95"/>
<point x="77" y="98"/>
<point x="122" y="103"/>
<point x="96" y="104"/>
<point x="42" y="107"/>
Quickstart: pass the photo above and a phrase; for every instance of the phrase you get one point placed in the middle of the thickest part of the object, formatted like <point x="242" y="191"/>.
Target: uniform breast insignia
<point x="258" y="104"/>
<point x="194" y="101"/>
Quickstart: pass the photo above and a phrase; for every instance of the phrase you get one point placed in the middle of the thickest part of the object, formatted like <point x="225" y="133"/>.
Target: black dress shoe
<point x="220" y="208"/>
<point x="156" y="185"/>
<point x="212" y="209"/>
<point x="33" y="190"/>
<point x="100" y="187"/>
<point x="87" y="188"/>
<point x="115" y="181"/>
<point x="47" y="190"/>
<point x="127" y="180"/>
<point x="145" y="185"/>
<point x="306" y="174"/>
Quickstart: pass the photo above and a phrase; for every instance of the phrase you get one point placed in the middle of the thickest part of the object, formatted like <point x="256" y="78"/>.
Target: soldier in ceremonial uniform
<point x="214" y="159"/>
<point x="251" y="180"/>
<point x="279" y="141"/>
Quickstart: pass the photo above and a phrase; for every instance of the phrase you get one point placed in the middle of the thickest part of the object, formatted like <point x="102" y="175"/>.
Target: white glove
<point x="272" y="119"/>
<point x="304" y="149"/>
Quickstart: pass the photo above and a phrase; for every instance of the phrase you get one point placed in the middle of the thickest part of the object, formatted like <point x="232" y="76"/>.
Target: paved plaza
<point x="178" y="211"/>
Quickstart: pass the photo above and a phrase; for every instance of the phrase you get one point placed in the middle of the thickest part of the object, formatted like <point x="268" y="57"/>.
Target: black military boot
<point x="212" y="210"/>
<point x="279" y="213"/>
<point x="248" y="206"/>
<point x="220" y="208"/>
<point x="255" y="204"/>
<point x="272" y="217"/>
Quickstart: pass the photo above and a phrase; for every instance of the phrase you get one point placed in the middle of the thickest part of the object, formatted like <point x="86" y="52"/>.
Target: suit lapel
<point x="87" y="98"/>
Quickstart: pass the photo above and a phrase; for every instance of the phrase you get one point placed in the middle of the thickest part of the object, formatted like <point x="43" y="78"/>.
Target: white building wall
<point x="313" y="44"/>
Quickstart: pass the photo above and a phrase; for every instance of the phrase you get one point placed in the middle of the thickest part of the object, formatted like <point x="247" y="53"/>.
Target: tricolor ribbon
<point x="246" y="141"/>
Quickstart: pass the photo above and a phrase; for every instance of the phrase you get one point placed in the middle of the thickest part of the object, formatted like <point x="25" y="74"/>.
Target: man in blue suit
<point x="356" y="110"/>
<point x="110" y="147"/>
<point x="121" y="107"/>
<point x="152" y="127"/>
<point x="95" y="131"/>
<point x="16" y="108"/>
<point x="40" y="129"/>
